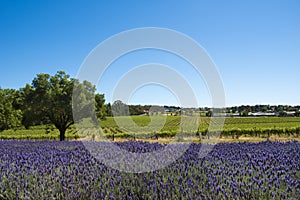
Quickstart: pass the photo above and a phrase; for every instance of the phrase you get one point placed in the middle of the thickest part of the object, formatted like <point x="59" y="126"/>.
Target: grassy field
<point x="145" y="128"/>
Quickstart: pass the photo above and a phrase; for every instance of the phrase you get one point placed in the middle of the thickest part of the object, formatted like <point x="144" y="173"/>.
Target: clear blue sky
<point x="254" y="44"/>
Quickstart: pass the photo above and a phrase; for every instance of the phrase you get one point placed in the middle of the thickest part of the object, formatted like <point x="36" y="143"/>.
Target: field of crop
<point x="66" y="170"/>
<point x="242" y="122"/>
<point x="234" y="128"/>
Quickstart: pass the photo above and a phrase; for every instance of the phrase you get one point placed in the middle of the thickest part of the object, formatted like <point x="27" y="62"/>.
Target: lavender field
<point x="66" y="170"/>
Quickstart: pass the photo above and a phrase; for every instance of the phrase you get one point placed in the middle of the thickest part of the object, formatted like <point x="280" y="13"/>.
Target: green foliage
<point x="120" y="109"/>
<point x="49" y="99"/>
<point x="10" y="113"/>
<point x="138" y="109"/>
<point x="100" y="106"/>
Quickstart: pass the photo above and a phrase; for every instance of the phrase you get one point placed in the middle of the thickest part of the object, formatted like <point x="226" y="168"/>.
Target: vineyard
<point x="164" y="127"/>
<point x="233" y="127"/>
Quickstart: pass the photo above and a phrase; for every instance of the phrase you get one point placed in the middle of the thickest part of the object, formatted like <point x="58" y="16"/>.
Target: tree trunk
<point x="62" y="134"/>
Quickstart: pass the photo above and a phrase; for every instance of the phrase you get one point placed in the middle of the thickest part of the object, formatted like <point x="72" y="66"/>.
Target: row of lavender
<point x="66" y="170"/>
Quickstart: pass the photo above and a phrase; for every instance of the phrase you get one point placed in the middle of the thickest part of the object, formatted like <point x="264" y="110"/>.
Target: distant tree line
<point x="245" y="110"/>
<point x="242" y="111"/>
<point x="280" y="110"/>
<point x="119" y="108"/>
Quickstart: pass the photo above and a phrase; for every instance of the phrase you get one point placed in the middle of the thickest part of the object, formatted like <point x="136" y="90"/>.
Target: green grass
<point x="35" y="132"/>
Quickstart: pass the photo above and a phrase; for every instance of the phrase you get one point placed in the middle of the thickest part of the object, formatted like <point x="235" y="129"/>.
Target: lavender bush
<point x="66" y="170"/>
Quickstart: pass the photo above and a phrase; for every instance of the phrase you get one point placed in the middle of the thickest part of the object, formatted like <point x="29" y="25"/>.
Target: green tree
<point x="136" y="109"/>
<point x="100" y="106"/>
<point x="120" y="109"/>
<point x="209" y="113"/>
<point x="50" y="99"/>
<point x="10" y="113"/>
<point x="108" y="110"/>
<point x="31" y="116"/>
<point x="282" y="114"/>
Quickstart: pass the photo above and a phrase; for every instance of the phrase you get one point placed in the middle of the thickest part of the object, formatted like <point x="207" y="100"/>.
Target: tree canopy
<point x="49" y="98"/>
